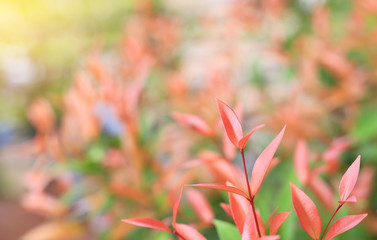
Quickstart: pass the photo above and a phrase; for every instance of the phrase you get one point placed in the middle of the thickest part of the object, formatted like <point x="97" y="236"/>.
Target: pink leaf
<point x="194" y="122"/>
<point x="344" y="224"/>
<point x="306" y="211"/>
<point x="250" y="231"/>
<point x="277" y="221"/>
<point x="221" y="187"/>
<point x="188" y="232"/>
<point x="148" y="223"/>
<point x="240" y="207"/>
<point x="270" y="217"/>
<point x="175" y="208"/>
<point x="349" y="179"/>
<point x="200" y="205"/>
<point x="242" y="142"/>
<point x="301" y="161"/>
<point x="263" y="162"/>
<point x="231" y="122"/>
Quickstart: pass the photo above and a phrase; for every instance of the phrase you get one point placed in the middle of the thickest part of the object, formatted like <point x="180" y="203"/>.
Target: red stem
<point x="328" y="224"/>
<point x="251" y="199"/>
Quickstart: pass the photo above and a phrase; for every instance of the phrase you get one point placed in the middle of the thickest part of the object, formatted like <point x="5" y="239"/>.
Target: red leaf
<point x="188" y="232"/>
<point x="349" y="179"/>
<point x="250" y="231"/>
<point x="193" y="122"/>
<point x="270" y="217"/>
<point x="148" y="223"/>
<point x="277" y="221"/>
<point x="200" y="205"/>
<point x="306" y="211"/>
<point x="301" y="161"/>
<point x="231" y="122"/>
<point x="175" y="208"/>
<point x="242" y="142"/>
<point x="263" y="162"/>
<point x="221" y="187"/>
<point x="344" y="224"/>
<point x="240" y="207"/>
<point x="261" y="224"/>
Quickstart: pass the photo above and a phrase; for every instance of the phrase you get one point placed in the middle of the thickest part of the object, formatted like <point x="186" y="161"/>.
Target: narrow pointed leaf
<point x="240" y="207"/>
<point x="277" y="221"/>
<point x="200" y="205"/>
<point x="175" y="208"/>
<point x="301" y="161"/>
<point x="231" y="122"/>
<point x="261" y="224"/>
<point x="271" y="216"/>
<point x="344" y="224"/>
<point x="242" y="142"/>
<point x="263" y="162"/>
<point x="221" y="187"/>
<point x="148" y="223"/>
<point x="307" y="212"/>
<point x="349" y="180"/>
<point x="193" y="122"/>
<point x="250" y="231"/>
<point x="188" y="232"/>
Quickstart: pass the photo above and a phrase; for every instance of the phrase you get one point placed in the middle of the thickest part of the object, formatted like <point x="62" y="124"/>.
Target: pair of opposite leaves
<point x="308" y="214"/>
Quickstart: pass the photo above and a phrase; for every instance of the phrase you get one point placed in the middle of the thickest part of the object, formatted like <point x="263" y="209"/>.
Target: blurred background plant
<point x="107" y="109"/>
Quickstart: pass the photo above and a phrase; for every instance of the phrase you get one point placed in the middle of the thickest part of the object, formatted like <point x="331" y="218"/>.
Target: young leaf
<point x="271" y="216"/>
<point x="188" y="232"/>
<point x="175" y="208"/>
<point x="240" y="207"/>
<point x="263" y="162"/>
<point x="249" y="229"/>
<point x="221" y="187"/>
<point x="277" y="221"/>
<point x="200" y="205"/>
<point x="231" y="122"/>
<point x="307" y="212"/>
<point x="242" y="142"/>
<point x="344" y="224"/>
<point x="301" y="161"/>
<point x="226" y="230"/>
<point x="194" y="122"/>
<point x="349" y="179"/>
<point x="148" y="223"/>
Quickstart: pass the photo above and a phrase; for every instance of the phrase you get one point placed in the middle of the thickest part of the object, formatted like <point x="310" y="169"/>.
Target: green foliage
<point x="226" y="231"/>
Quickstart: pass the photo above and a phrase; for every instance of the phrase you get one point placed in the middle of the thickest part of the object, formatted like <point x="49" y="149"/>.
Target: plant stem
<point x="328" y="224"/>
<point x="246" y="176"/>
<point x="251" y="199"/>
<point x="255" y="217"/>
